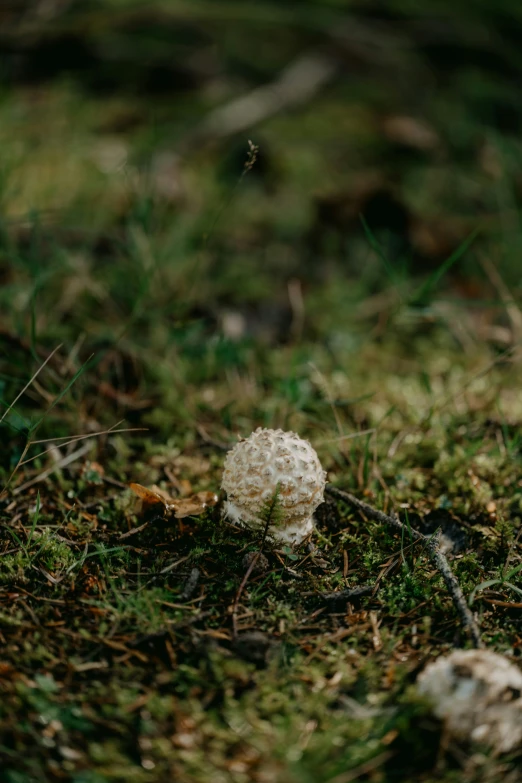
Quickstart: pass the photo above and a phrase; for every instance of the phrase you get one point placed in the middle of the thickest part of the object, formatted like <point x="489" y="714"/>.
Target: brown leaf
<point x="178" y="507"/>
<point x="194" y="505"/>
<point x="148" y="497"/>
<point x="162" y="494"/>
<point x="207" y="498"/>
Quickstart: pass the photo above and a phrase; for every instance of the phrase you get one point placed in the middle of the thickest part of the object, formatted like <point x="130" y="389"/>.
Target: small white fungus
<point x="478" y="695"/>
<point x="267" y="461"/>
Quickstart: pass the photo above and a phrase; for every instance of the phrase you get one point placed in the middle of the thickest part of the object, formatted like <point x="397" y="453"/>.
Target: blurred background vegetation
<point x="187" y="183"/>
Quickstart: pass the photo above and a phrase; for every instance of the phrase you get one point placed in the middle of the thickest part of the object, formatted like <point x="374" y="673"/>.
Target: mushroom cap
<point x="478" y="695"/>
<point x="257" y="466"/>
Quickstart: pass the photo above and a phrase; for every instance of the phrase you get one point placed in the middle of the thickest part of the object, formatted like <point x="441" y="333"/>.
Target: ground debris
<point x="433" y="547"/>
<point x="341" y="598"/>
<point x="478" y="695"/>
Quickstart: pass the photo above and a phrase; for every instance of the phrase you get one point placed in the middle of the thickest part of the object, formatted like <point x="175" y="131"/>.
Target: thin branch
<point x="433" y="547"/>
<point x="71" y="438"/>
<point x="10" y="408"/>
<point x="336" y="600"/>
<point x="62" y="463"/>
<point x="296" y="84"/>
<point x="75" y="439"/>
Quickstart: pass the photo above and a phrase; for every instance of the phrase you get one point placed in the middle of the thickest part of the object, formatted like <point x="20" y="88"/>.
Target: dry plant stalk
<point x="432" y="545"/>
<point x="64" y="441"/>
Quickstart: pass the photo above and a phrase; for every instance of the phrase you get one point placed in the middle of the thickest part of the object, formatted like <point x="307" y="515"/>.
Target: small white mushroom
<point x="270" y="461"/>
<point x="477" y="694"/>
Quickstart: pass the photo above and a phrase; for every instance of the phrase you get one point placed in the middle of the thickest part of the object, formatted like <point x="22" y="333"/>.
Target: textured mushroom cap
<point x="478" y="695"/>
<point x="253" y="470"/>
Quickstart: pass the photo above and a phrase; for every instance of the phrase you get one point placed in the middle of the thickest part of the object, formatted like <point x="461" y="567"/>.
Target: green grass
<point x="171" y="297"/>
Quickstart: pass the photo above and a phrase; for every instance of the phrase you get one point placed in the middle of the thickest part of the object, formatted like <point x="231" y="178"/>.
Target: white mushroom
<point x="477" y="694"/>
<point x="267" y="462"/>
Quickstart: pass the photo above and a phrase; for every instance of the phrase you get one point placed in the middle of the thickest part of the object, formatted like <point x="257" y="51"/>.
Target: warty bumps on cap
<point x="267" y="461"/>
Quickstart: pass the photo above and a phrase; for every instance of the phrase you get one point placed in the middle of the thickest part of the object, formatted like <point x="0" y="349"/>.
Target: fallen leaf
<point x="177" y="507"/>
<point x="148" y="496"/>
<point x="187" y="507"/>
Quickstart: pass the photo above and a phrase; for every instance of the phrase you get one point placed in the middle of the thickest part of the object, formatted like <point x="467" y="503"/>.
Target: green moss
<point x="13" y="568"/>
<point x="210" y="309"/>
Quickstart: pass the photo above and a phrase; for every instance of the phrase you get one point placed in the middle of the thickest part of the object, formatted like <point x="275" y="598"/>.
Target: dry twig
<point x="341" y="597"/>
<point x="297" y="83"/>
<point x="432" y="545"/>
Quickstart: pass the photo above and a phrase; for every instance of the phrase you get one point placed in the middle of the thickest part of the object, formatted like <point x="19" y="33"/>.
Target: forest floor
<point x="351" y="274"/>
